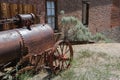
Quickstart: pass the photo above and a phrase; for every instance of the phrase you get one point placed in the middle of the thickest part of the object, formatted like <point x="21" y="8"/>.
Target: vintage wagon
<point x="33" y="46"/>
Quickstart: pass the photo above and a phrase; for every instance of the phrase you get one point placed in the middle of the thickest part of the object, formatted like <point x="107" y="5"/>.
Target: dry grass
<point x="93" y="66"/>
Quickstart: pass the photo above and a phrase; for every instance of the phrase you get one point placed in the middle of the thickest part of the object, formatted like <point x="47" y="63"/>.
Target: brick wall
<point x="115" y="14"/>
<point x="99" y="13"/>
<point x="113" y="33"/>
<point x="40" y="8"/>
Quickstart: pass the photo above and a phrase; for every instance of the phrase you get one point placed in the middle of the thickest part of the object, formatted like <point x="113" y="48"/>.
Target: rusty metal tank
<point x="37" y="40"/>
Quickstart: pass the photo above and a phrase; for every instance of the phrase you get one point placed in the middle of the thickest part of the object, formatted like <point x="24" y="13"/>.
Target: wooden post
<point x="5" y="13"/>
<point x="13" y="12"/>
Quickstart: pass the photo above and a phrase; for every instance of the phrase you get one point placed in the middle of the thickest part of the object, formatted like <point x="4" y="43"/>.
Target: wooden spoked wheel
<point x="62" y="56"/>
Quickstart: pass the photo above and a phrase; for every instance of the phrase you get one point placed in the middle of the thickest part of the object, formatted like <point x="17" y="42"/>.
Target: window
<point x="51" y="13"/>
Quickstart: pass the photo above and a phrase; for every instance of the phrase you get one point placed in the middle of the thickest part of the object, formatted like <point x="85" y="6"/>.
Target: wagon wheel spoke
<point x="62" y="67"/>
<point x="62" y="56"/>
<point x="66" y="51"/>
<point x="62" y="47"/>
<point x="58" y="52"/>
<point x="66" y="63"/>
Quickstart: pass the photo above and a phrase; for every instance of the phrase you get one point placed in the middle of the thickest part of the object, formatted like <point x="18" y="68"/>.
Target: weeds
<point x="74" y="30"/>
<point x="24" y="76"/>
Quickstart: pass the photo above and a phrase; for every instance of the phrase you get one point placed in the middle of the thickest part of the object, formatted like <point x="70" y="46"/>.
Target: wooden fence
<point x="8" y="10"/>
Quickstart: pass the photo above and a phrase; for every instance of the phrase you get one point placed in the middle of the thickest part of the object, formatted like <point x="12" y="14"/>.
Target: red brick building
<point x="104" y="15"/>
